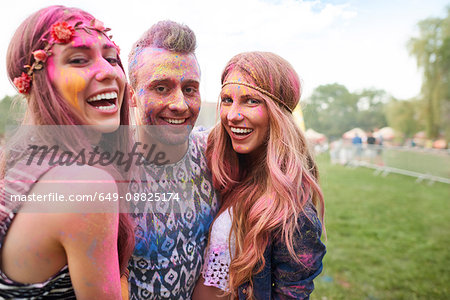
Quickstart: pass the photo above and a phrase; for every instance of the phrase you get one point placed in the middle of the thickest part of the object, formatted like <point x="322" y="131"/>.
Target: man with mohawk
<point x="177" y="202"/>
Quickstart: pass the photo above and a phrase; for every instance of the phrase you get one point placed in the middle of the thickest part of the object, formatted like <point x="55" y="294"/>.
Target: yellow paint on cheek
<point x="71" y="84"/>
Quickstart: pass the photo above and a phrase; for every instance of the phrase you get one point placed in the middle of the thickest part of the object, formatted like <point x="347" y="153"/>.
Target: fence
<point x="424" y="164"/>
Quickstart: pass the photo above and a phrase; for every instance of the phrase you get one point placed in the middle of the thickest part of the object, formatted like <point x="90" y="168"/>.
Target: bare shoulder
<point x="74" y="193"/>
<point x="75" y="179"/>
<point x="78" y="173"/>
<point x="53" y="224"/>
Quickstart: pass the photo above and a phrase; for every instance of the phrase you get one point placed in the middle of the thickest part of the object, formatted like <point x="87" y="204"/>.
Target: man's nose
<point x="178" y="102"/>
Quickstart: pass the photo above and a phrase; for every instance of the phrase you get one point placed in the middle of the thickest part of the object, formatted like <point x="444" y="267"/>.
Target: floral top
<point x="218" y="255"/>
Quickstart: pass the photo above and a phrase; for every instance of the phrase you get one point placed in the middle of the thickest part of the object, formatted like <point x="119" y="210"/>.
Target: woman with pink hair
<point x="69" y="72"/>
<point x="265" y="242"/>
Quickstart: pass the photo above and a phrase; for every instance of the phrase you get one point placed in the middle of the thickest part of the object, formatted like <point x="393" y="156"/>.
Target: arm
<point x="89" y="239"/>
<point x="202" y="291"/>
<point x="90" y="243"/>
<point x="292" y="279"/>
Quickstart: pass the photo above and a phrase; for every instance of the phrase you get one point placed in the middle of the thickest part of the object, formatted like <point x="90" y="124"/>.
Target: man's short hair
<point x="168" y="35"/>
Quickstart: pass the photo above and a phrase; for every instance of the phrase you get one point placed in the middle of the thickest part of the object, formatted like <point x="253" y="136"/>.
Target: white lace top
<point x="217" y="257"/>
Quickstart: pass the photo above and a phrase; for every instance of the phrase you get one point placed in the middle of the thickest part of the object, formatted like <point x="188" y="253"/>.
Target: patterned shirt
<point x="171" y="233"/>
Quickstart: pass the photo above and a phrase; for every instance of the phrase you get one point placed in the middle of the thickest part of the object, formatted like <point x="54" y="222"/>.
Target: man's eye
<point x="226" y="100"/>
<point x="161" y="89"/>
<point x="190" y="90"/>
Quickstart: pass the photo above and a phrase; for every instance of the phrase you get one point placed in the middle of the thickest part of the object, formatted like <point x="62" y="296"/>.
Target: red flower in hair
<point x="40" y="55"/>
<point x="62" y="32"/>
<point x="23" y="83"/>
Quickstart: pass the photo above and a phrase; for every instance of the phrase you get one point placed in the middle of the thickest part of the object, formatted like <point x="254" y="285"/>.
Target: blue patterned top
<point x="171" y="235"/>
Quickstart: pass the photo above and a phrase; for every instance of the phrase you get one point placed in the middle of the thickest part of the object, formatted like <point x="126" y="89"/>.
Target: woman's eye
<point x="78" y="61"/>
<point x="253" y="101"/>
<point x="112" y="60"/>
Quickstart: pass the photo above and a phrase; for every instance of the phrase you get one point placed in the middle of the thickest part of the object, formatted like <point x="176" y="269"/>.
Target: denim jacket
<point x="282" y="277"/>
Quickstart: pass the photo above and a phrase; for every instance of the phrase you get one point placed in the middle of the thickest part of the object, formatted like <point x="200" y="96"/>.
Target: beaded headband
<point x="273" y="97"/>
<point x="61" y="33"/>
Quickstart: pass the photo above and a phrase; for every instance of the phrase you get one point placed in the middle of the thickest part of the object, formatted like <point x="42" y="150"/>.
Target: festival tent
<point x="314" y="136"/>
<point x="353" y="132"/>
<point x="440" y="144"/>
<point x="420" y="135"/>
<point x="420" y="138"/>
<point x="386" y="132"/>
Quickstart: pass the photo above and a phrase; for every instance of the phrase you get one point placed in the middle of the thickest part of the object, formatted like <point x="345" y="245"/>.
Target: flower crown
<point x="61" y="33"/>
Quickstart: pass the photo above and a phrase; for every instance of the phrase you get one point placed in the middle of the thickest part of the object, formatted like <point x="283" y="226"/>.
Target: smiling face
<point x="167" y="93"/>
<point x="86" y="73"/>
<point x="243" y="113"/>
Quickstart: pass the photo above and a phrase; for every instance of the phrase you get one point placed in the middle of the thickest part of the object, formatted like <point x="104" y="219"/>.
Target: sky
<point x="360" y="44"/>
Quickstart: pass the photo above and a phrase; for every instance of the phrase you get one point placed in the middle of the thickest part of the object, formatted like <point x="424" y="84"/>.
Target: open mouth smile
<point x="104" y="102"/>
<point x="241" y="131"/>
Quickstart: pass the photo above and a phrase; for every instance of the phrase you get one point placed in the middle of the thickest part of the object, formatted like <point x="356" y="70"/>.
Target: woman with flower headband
<point x="69" y="71"/>
<point x="265" y="241"/>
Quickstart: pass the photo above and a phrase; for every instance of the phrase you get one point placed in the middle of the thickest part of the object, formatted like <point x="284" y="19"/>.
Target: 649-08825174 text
<point x="110" y="197"/>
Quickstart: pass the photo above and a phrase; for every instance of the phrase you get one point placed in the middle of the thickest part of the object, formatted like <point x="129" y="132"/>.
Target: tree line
<point x="333" y="110"/>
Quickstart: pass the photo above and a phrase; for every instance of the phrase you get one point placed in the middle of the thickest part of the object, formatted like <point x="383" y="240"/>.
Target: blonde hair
<point x="266" y="196"/>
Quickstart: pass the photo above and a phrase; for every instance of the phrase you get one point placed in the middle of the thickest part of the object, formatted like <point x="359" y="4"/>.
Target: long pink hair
<point x="45" y="106"/>
<point x="267" y="195"/>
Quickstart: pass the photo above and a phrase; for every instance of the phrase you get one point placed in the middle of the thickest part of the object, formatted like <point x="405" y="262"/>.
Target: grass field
<point x="388" y="237"/>
<point x="434" y="163"/>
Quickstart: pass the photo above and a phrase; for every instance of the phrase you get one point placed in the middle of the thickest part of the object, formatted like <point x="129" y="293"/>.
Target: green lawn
<point x="388" y="237"/>
<point x="433" y="162"/>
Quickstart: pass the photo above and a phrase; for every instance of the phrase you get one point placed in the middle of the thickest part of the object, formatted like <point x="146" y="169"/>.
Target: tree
<point x="333" y="110"/>
<point x="10" y="113"/>
<point x="445" y="54"/>
<point x="371" y="112"/>
<point x="432" y="52"/>
<point x="405" y="116"/>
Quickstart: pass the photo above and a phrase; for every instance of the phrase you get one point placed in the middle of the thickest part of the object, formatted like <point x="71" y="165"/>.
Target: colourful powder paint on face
<point x="73" y="84"/>
<point x="163" y="79"/>
<point x="87" y="67"/>
<point x="166" y="89"/>
<point x="244" y="115"/>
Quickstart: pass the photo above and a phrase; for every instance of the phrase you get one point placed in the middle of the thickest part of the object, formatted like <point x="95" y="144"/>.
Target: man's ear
<point x="132" y="97"/>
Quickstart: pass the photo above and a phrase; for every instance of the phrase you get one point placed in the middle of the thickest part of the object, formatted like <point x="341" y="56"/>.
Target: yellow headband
<point x="276" y="99"/>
